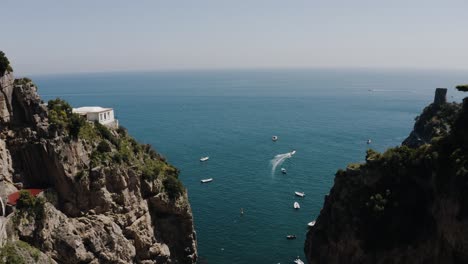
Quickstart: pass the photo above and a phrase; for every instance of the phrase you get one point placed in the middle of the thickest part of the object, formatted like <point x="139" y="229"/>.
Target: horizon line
<point x="266" y="69"/>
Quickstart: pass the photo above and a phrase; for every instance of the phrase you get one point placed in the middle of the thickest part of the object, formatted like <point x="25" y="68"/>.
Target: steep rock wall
<point x="98" y="209"/>
<point x="407" y="205"/>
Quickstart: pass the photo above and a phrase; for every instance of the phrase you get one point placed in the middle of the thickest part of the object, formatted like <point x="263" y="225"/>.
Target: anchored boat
<point x="296" y="205"/>
<point x="207" y="180"/>
<point x="298" y="261"/>
<point x="300" y="194"/>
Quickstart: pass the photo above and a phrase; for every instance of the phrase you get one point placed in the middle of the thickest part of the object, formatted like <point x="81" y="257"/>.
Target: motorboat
<point x="204" y="158"/>
<point x="369" y="141"/>
<point x="296" y="205"/>
<point x="291" y="237"/>
<point x="207" y="180"/>
<point x="274" y="138"/>
<point x="298" y="261"/>
<point x="293" y="152"/>
<point x="283" y="170"/>
<point x="300" y="194"/>
<point x="311" y="224"/>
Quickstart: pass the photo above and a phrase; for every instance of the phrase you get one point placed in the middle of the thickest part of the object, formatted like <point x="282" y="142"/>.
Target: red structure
<point x="13" y="198"/>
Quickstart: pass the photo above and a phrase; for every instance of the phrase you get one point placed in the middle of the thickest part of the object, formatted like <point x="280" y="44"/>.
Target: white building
<point x="104" y="116"/>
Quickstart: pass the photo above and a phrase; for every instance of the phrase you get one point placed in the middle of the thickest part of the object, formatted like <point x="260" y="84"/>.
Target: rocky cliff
<point x="106" y="199"/>
<point x="406" y="205"/>
<point x="435" y="121"/>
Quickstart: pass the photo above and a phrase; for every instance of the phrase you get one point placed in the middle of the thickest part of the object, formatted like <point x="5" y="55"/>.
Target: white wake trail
<point x="279" y="159"/>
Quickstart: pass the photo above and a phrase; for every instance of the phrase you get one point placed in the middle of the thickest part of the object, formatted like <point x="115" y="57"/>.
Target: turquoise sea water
<point x="325" y="115"/>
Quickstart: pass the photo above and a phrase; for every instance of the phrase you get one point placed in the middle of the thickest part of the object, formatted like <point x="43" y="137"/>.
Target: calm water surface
<point x="325" y="115"/>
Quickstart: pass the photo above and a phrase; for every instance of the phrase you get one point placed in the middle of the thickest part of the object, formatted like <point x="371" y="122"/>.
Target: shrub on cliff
<point x="173" y="187"/>
<point x="22" y="81"/>
<point x="30" y="205"/>
<point x="104" y="147"/>
<point x="462" y="87"/>
<point x="4" y="64"/>
<point x="75" y="124"/>
<point x="18" y="252"/>
<point x="61" y="117"/>
<point x="105" y="133"/>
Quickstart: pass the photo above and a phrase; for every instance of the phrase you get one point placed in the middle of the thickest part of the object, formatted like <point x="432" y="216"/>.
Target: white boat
<point x="293" y="152"/>
<point x="369" y="141"/>
<point x="204" y="158"/>
<point x="207" y="180"/>
<point x="311" y="224"/>
<point x="300" y="194"/>
<point x="296" y="205"/>
<point x="274" y="138"/>
<point x="283" y="170"/>
<point x="298" y="261"/>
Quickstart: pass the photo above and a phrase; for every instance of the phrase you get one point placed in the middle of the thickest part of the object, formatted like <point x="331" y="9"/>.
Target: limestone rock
<point x="99" y="207"/>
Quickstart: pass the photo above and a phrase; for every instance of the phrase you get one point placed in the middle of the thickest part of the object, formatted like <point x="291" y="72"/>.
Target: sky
<point x="50" y="37"/>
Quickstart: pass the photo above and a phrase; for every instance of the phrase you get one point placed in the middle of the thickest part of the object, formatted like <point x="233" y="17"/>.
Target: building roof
<point x="90" y="109"/>
<point x="13" y="198"/>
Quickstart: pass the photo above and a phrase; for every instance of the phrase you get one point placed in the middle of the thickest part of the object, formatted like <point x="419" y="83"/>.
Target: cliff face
<point x="107" y="199"/>
<point x="435" y="121"/>
<point x="407" y="205"/>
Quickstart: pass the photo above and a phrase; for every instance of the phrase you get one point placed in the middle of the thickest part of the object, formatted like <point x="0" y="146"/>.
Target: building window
<point x="100" y="117"/>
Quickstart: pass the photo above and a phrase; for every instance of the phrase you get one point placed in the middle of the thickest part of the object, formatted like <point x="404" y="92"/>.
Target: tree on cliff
<point x="462" y="88"/>
<point x="4" y="64"/>
<point x="62" y="117"/>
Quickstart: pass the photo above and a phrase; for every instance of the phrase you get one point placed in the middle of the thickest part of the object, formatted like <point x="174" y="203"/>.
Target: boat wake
<point x="279" y="159"/>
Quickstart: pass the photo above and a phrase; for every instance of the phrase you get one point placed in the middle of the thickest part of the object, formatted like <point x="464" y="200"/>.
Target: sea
<point x="326" y="115"/>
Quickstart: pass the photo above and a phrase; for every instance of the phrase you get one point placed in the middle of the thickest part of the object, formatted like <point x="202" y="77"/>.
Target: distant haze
<point x="48" y="37"/>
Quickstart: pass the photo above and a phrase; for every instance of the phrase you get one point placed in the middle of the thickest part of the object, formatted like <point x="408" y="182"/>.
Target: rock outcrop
<point x="406" y="205"/>
<point x="435" y="121"/>
<point x="106" y="199"/>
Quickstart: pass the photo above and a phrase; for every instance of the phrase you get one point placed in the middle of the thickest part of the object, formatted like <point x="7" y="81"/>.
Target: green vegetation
<point x="173" y="187"/>
<point x="88" y="132"/>
<point x="22" y="81"/>
<point x="115" y="148"/>
<point x="29" y="205"/>
<point x="61" y="117"/>
<point x="415" y="176"/>
<point x="4" y="64"/>
<point x="18" y="252"/>
<point x="105" y="133"/>
<point x="104" y="147"/>
<point x="462" y="87"/>
<point x="377" y="202"/>
<point x="151" y="169"/>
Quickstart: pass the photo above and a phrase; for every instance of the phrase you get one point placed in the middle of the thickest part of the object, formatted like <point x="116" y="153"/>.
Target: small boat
<point x="204" y="158"/>
<point x="291" y="237"/>
<point x="293" y="152"/>
<point x="298" y="261"/>
<point x="274" y="138"/>
<point x="283" y="170"/>
<point x="296" y="205"/>
<point x="369" y="141"/>
<point x="207" y="180"/>
<point x="300" y="194"/>
<point x="311" y="224"/>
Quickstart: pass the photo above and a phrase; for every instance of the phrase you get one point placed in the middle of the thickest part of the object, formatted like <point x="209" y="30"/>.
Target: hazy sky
<point x="89" y="36"/>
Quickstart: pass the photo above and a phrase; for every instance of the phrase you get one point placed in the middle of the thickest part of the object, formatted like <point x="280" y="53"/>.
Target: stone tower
<point x="440" y="96"/>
